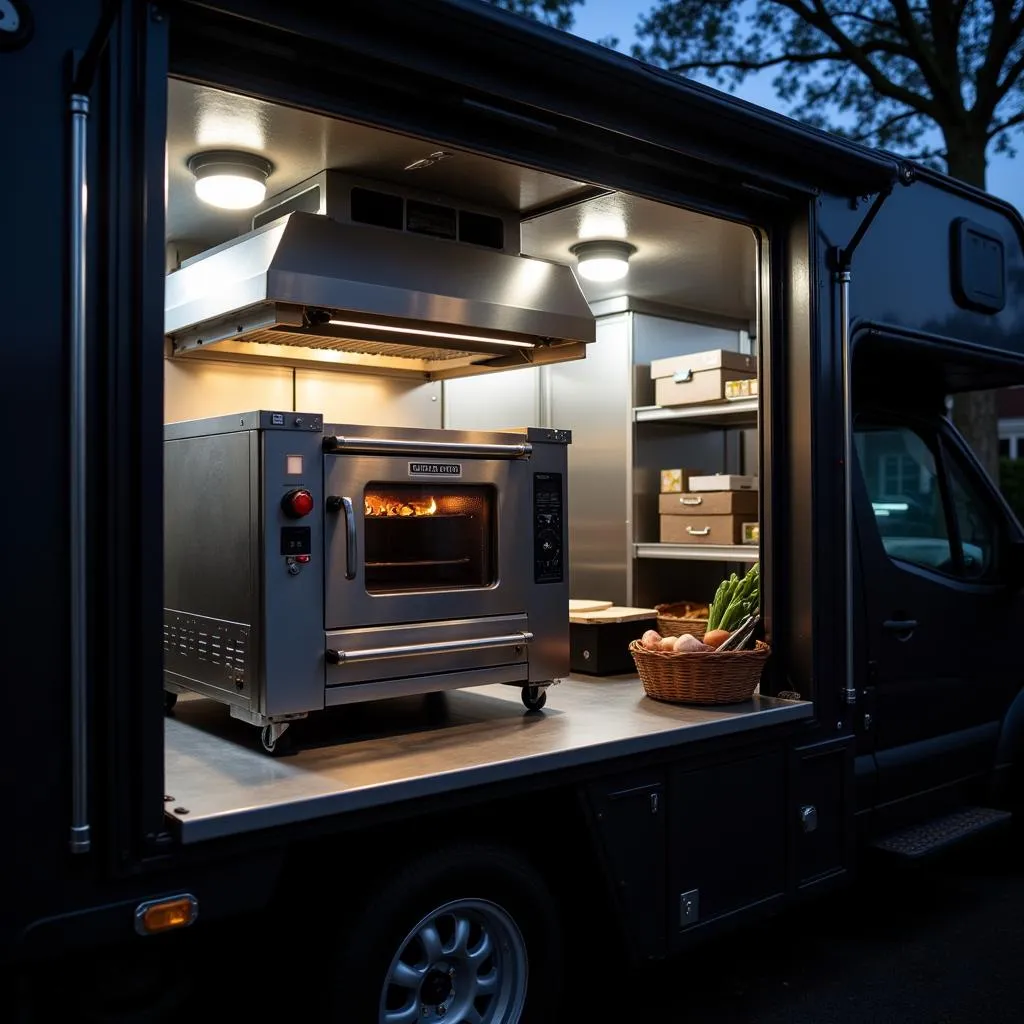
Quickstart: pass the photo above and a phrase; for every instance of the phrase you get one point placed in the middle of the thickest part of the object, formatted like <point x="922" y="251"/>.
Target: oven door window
<point x="428" y="537"/>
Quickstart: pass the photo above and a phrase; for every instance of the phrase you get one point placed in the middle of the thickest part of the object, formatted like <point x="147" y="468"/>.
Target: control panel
<point x="548" y="560"/>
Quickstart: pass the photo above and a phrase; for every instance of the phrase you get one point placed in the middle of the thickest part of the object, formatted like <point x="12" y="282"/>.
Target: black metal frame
<point x="126" y="401"/>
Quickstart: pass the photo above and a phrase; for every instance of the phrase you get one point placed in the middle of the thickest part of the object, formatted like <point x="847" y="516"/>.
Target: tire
<point x="490" y="890"/>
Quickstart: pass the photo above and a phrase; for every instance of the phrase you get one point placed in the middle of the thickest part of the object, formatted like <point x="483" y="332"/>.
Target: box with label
<point x="746" y="388"/>
<point x="701" y="529"/>
<point x="710" y="503"/>
<point x="723" y="482"/>
<point x="674" y="481"/>
<point x="699" y="377"/>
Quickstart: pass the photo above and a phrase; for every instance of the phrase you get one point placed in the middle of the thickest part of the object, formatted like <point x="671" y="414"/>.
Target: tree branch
<point x="945" y="20"/>
<point x="888" y="123"/>
<point x="738" y="64"/>
<point x="755" y="65"/>
<point x="924" y="56"/>
<point x="1005" y="32"/>
<point x="1016" y="70"/>
<point x="818" y="17"/>
<point x="1010" y="122"/>
<point x="866" y="20"/>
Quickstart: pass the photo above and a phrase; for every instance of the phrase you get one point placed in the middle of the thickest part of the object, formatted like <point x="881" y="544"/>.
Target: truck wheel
<point x="463" y="935"/>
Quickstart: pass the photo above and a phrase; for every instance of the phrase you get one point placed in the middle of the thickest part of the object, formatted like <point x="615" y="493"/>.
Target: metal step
<point x="931" y="836"/>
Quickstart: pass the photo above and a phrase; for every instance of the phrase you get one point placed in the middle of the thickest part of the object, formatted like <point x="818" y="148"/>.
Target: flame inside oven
<point x="377" y="506"/>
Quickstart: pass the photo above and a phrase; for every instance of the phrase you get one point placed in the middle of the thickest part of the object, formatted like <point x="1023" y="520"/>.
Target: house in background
<point x="1010" y="406"/>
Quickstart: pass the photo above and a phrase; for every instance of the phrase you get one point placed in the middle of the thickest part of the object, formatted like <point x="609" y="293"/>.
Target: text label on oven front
<point x="435" y="469"/>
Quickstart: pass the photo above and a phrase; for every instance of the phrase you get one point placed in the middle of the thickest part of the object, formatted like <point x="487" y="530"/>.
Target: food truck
<point x="497" y="489"/>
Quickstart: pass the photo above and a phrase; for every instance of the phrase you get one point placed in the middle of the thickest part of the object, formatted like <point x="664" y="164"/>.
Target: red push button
<point x="302" y="559"/>
<point x="297" y="503"/>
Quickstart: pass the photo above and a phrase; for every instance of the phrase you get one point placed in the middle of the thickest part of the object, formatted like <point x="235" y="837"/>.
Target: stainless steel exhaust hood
<point x="309" y="290"/>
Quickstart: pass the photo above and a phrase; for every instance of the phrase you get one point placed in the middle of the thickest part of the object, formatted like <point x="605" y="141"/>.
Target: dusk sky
<point x="597" y="19"/>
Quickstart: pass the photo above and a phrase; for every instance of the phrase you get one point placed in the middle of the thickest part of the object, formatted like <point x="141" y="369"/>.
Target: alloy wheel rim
<point x="463" y="963"/>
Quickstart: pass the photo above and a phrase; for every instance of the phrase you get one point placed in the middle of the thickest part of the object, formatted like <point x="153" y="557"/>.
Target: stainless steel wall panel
<point x="592" y="398"/>
<point x="494" y="401"/>
<point x="380" y="401"/>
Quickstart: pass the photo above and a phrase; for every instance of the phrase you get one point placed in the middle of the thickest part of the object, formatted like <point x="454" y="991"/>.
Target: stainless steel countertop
<point x="366" y="755"/>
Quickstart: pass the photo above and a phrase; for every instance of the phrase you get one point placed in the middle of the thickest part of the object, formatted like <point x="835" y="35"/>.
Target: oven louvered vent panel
<point x="206" y="649"/>
<point x="271" y="336"/>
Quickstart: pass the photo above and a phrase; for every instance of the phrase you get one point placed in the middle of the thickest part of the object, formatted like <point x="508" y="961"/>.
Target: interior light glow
<point x="230" y="191"/>
<point x="230" y="180"/>
<point x="603" y="261"/>
<point x="449" y="335"/>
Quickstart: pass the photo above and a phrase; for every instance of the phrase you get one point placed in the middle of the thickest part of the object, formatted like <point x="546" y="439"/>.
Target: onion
<point x="689" y="643"/>
<point x="651" y="639"/>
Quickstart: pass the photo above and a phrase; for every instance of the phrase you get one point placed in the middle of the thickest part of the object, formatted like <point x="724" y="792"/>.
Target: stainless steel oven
<point x="310" y="565"/>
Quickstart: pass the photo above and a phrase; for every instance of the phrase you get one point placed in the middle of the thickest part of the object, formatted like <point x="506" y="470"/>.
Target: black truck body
<point x="888" y="288"/>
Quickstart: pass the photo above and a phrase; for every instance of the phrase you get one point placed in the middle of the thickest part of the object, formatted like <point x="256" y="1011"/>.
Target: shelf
<point x="741" y="412"/>
<point x="700" y="552"/>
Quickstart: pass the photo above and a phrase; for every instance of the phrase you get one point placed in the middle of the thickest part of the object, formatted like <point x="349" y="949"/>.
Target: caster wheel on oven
<point x="534" y="697"/>
<point x="276" y="741"/>
<point x="170" y="699"/>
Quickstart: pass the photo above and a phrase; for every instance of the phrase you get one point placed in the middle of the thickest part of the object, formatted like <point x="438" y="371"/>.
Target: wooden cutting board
<point x="614" y="614"/>
<point x="580" y="605"/>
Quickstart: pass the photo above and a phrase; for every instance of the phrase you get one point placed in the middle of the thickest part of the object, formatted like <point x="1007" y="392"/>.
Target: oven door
<point x="412" y="536"/>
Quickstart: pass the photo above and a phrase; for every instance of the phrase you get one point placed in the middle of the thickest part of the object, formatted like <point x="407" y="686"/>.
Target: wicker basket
<point x="682" y="617"/>
<point x="700" y="677"/>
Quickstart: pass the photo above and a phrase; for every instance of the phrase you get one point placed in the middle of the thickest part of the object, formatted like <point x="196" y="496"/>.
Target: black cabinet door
<point x="629" y="818"/>
<point x="941" y="620"/>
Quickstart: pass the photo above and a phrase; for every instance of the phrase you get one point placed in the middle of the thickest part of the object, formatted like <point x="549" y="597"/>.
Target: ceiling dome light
<point x="230" y="180"/>
<point x="603" y="260"/>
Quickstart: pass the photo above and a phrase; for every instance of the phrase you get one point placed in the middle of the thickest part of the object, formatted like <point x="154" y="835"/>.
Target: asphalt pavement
<point x="942" y="944"/>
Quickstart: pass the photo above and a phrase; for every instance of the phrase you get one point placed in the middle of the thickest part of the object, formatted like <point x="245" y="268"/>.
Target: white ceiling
<point x="683" y="259"/>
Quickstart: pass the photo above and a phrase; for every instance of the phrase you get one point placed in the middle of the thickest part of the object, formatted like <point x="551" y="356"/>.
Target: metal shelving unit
<point x="699" y="552"/>
<point x="741" y="412"/>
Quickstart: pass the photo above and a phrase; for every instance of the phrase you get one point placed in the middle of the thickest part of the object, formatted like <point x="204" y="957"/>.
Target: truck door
<point x="942" y="618"/>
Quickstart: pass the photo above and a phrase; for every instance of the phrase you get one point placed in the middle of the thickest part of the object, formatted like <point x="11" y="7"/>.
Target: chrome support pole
<point x="849" y="687"/>
<point x="80" y="839"/>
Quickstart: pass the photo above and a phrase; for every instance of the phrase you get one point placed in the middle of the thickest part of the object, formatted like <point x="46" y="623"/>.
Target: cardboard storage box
<point x="711" y="503"/>
<point x="723" y="482"/>
<point x="599" y="640"/>
<point x="701" y="529"/>
<point x="699" y="377"/>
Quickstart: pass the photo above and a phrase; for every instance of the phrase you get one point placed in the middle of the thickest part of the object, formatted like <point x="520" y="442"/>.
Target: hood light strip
<point x="509" y="342"/>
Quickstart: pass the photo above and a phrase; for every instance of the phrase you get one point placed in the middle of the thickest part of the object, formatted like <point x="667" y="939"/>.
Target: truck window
<point x="974" y="523"/>
<point x="925" y="508"/>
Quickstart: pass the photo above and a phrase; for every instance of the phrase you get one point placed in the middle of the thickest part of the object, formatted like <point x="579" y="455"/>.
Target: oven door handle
<point x="335" y="657"/>
<point x="338" y="444"/>
<point x="339" y="504"/>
